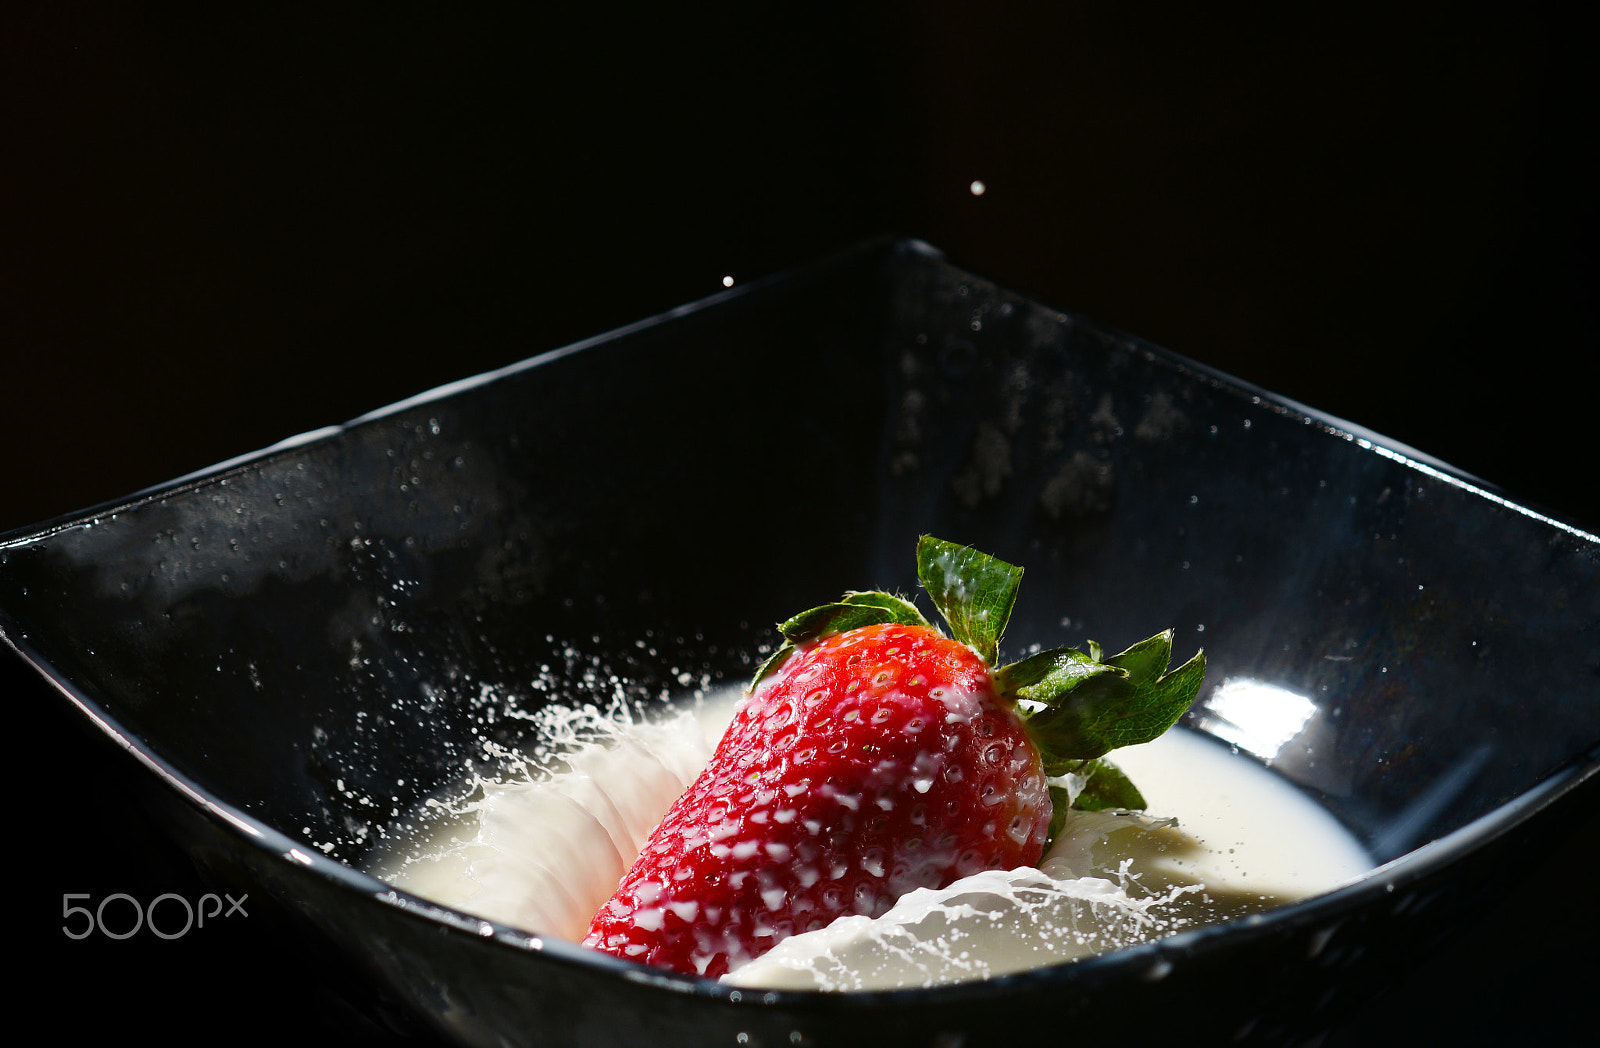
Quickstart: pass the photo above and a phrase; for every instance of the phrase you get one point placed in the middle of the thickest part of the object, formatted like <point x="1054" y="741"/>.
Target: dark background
<point x="221" y="226"/>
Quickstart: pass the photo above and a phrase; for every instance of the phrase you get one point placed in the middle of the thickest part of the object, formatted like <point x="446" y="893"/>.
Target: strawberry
<point x="874" y="755"/>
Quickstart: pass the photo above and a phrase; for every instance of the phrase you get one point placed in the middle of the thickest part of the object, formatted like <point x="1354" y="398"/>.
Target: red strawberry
<point x="877" y="761"/>
<point x="875" y="756"/>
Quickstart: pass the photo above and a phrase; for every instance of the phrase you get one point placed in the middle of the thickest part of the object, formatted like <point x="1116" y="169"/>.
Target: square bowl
<point x="299" y="646"/>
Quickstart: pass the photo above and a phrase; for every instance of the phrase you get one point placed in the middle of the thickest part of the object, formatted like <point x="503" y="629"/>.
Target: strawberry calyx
<point x="1077" y="706"/>
<point x="855" y="609"/>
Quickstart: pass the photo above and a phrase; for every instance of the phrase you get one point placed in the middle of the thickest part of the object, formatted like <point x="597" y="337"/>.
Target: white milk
<point x="544" y="852"/>
<point x="1224" y="837"/>
<point x="1232" y="839"/>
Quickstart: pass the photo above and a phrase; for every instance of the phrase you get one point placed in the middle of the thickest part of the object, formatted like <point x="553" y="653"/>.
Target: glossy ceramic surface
<point x="297" y="645"/>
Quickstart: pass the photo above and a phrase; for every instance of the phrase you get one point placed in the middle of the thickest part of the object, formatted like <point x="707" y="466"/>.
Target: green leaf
<point x="1163" y="701"/>
<point x="1049" y="675"/>
<point x="828" y="619"/>
<point x="1160" y="698"/>
<point x="1107" y="786"/>
<point x="1104" y="786"/>
<point x="904" y="612"/>
<point x="1085" y="722"/>
<point x="1092" y="707"/>
<point x="857" y="608"/>
<point x="1146" y="660"/>
<point x="973" y="591"/>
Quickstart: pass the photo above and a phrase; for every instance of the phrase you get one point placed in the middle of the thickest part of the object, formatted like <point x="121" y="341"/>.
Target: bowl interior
<point x="311" y="637"/>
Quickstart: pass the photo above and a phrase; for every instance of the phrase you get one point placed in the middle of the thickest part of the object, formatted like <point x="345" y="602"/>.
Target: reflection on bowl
<point x="297" y="645"/>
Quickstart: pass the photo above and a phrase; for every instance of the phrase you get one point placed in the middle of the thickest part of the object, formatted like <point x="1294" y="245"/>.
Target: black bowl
<point x="296" y="645"/>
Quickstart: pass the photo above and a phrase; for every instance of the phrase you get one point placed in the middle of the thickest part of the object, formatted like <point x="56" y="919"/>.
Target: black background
<point x="221" y="225"/>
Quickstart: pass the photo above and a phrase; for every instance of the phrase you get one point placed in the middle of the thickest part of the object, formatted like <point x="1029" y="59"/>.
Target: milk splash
<point x="984" y="925"/>
<point x="543" y="845"/>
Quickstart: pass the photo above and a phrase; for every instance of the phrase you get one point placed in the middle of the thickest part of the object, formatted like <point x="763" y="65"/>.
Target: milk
<point x="1232" y="839"/>
<point x="1223" y="837"/>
